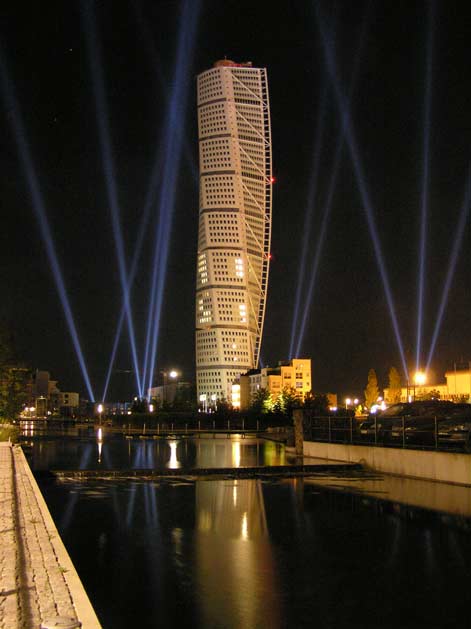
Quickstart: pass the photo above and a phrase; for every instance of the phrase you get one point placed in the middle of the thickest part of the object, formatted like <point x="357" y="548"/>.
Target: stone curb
<point x="38" y="580"/>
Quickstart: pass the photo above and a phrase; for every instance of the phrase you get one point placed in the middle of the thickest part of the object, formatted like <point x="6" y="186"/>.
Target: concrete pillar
<point x="298" y="431"/>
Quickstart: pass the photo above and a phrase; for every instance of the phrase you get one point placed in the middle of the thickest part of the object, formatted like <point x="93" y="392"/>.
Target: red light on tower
<point x="272" y="179"/>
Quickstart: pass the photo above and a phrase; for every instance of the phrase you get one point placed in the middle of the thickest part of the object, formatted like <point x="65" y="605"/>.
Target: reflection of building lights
<point x="245" y="527"/>
<point x="236" y="453"/>
<point x="173" y="462"/>
<point x="99" y="436"/>
<point x="234" y="493"/>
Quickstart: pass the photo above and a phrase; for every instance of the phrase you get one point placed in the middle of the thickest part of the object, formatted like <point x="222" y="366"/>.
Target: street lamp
<point x="420" y="378"/>
<point x="100" y="412"/>
<point x="172" y="374"/>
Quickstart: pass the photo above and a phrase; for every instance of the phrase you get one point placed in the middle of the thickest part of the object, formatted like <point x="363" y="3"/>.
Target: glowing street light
<point x="420" y="378"/>
<point x="100" y="409"/>
<point x="173" y="375"/>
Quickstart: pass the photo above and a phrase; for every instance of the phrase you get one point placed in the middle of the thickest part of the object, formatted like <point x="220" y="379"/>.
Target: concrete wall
<point x="448" y="467"/>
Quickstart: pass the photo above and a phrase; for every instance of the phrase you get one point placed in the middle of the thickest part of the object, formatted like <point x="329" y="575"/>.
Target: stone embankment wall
<point x="447" y="467"/>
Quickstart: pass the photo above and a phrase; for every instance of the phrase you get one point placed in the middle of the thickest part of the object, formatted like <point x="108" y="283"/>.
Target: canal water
<point x="326" y="553"/>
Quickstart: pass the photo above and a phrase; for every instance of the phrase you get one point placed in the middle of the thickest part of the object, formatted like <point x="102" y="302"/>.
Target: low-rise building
<point x="172" y="392"/>
<point x="457" y="388"/>
<point x="48" y="399"/>
<point x="294" y="375"/>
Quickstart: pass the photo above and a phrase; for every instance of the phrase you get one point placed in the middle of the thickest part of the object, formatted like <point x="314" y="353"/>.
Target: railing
<point x="431" y="433"/>
<point x="228" y="426"/>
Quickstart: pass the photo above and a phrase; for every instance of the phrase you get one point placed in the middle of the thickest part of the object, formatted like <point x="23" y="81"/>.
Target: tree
<point x="286" y="401"/>
<point x="371" y="391"/>
<point x="318" y="404"/>
<point x="395" y="388"/>
<point x="14" y="378"/>
<point x="262" y="402"/>
<point x="139" y="405"/>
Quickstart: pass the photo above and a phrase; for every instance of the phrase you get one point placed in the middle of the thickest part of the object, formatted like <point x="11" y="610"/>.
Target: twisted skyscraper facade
<point x="234" y="224"/>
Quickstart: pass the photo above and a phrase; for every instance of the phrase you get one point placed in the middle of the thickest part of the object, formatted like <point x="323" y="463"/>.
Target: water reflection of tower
<point x="235" y="571"/>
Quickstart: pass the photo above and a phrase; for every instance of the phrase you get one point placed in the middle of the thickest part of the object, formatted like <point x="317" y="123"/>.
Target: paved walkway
<point x="38" y="581"/>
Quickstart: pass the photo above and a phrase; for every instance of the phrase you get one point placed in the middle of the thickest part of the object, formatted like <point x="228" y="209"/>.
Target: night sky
<point x="349" y="328"/>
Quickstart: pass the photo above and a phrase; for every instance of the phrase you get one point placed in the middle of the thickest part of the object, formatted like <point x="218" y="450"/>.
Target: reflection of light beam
<point x="96" y="67"/>
<point x="40" y="211"/>
<point x="69" y="510"/>
<point x="329" y="197"/>
<point x="138" y="457"/>
<point x="458" y="240"/>
<point x="131" y="501"/>
<point x="150" y="457"/>
<point x="85" y="458"/>
<point x="308" y="215"/>
<point x="430" y="558"/>
<point x="153" y="503"/>
<point x="361" y="180"/>
<point x="425" y="189"/>
<point x="172" y="145"/>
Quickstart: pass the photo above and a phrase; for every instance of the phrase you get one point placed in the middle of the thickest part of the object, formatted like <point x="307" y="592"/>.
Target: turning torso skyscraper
<point x="234" y="224"/>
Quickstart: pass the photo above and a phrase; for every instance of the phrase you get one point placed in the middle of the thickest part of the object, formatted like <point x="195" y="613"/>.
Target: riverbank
<point x="38" y="582"/>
